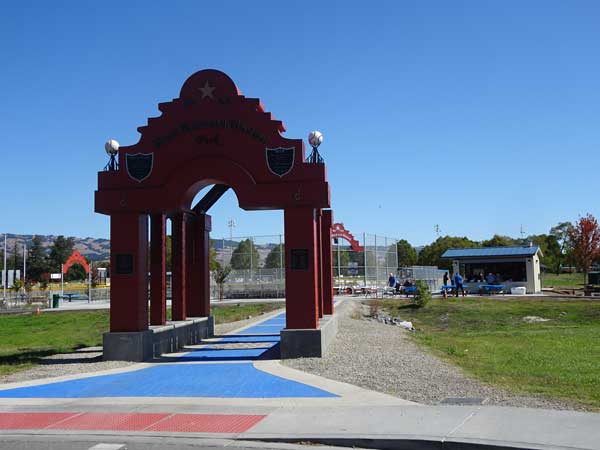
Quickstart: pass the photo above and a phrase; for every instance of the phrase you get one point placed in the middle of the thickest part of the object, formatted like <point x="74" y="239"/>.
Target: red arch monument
<point x="76" y="258"/>
<point x="210" y="135"/>
<point x="339" y="231"/>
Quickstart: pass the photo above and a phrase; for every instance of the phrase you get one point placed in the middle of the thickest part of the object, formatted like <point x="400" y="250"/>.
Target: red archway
<point x="76" y="258"/>
<point x="211" y="134"/>
<point x="340" y="232"/>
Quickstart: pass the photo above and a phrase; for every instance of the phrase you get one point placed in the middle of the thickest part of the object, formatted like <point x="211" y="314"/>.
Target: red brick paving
<point x="176" y="423"/>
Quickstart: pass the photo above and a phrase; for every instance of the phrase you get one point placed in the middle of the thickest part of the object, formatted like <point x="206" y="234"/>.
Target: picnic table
<point x="408" y="290"/>
<point x="492" y="288"/>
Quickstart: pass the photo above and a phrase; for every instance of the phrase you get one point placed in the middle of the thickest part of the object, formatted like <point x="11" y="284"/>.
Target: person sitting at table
<point x="498" y="279"/>
<point x="407" y="283"/>
<point x="490" y="278"/>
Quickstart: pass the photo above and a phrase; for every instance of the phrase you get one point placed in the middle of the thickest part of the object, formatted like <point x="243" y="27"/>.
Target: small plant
<point x="374" y="306"/>
<point x="422" y="296"/>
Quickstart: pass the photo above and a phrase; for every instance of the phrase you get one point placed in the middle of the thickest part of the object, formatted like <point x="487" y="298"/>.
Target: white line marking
<point x="107" y="447"/>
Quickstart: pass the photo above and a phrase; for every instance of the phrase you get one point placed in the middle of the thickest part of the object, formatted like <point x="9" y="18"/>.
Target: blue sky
<point x="478" y="116"/>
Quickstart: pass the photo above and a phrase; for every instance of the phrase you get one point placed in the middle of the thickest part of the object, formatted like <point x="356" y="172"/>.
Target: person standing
<point x="458" y="282"/>
<point x="392" y="281"/>
<point x="446" y="278"/>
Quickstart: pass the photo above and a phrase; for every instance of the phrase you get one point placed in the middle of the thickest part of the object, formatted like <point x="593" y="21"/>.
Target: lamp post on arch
<point x="315" y="138"/>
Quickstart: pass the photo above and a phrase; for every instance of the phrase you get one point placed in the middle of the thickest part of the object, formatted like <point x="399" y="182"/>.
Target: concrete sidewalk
<point x="414" y="427"/>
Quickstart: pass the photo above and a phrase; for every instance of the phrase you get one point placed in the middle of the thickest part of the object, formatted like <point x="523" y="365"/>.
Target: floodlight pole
<point x="90" y="283"/>
<point x="365" y="256"/>
<point x="62" y="281"/>
<point x="24" y="263"/>
<point x="4" y="271"/>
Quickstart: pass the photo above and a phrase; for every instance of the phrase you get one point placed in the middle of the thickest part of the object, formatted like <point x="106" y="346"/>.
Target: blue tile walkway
<point x="235" y="380"/>
<point x="265" y="333"/>
<point x="231" y="380"/>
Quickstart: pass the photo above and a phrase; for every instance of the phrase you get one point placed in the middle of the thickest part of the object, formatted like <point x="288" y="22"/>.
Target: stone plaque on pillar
<point x="124" y="264"/>
<point x="299" y="259"/>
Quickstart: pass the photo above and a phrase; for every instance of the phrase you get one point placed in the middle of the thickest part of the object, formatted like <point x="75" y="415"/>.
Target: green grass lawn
<point x="488" y="338"/>
<point x="564" y="280"/>
<point x="27" y="337"/>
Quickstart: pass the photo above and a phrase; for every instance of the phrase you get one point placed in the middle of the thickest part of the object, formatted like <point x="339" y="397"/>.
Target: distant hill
<point x="92" y="248"/>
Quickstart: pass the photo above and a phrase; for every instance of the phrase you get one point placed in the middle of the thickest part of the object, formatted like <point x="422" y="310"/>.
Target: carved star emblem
<point x="207" y="90"/>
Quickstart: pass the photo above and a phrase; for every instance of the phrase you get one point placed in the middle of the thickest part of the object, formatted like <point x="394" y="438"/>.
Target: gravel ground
<point x="81" y="361"/>
<point x="383" y="358"/>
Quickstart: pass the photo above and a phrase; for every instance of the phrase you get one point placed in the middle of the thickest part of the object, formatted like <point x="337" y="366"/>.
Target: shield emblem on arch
<point x="280" y="160"/>
<point x="139" y="165"/>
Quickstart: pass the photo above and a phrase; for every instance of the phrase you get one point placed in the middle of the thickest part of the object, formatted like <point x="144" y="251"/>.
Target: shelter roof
<point x="479" y="252"/>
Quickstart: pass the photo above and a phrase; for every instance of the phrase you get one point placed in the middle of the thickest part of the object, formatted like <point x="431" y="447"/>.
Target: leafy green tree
<point x="245" y="256"/>
<point x="561" y="234"/>
<point x="76" y="273"/>
<point x="16" y="260"/>
<point x="275" y="259"/>
<point x="550" y="249"/>
<point x="37" y="260"/>
<point x="431" y="255"/>
<point x="60" y="251"/>
<point x="407" y="256"/>
<point x="500" y="241"/>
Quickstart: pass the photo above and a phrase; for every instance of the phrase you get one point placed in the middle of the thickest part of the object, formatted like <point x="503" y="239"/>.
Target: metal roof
<point x="490" y="252"/>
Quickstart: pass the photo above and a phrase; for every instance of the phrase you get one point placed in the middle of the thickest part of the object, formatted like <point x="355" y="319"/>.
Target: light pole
<point x="231" y="225"/>
<point x="24" y="263"/>
<point x="4" y="271"/>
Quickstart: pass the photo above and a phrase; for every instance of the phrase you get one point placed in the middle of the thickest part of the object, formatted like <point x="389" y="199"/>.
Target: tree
<point x="407" y="256"/>
<point x="220" y="274"/>
<point x="275" y="259"/>
<point x="17" y="261"/>
<point x="500" y="241"/>
<point x="76" y="273"/>
<point x="585" y="240"/>
<point x="60" y="251"/>
<point x="561" y="234"/>
<point x="245" y="256"/>
<point x="431" y="255"/>
<point x="37" y="260"/>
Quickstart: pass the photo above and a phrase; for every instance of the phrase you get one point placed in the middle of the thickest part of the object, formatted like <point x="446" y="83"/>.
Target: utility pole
<point x="437" y="230"/>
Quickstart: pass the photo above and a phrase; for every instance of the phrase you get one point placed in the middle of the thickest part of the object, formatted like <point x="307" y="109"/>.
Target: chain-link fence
<point x="433" y="276"/>
<point x="368" y="269"/>
<point x="44" y="298"/>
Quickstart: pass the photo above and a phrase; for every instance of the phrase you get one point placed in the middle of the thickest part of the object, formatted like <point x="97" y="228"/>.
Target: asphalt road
<point x="123" y="442"/>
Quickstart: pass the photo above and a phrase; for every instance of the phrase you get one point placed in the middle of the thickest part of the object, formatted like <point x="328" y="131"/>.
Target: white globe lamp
<point x="315" y="138"/>
<point x="111" y="147"/>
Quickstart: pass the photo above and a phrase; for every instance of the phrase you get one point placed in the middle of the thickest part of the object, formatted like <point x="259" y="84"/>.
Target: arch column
<point x="199" y="275"/>
<point x="301" y="268"/>
<point x="318" y="216"/>
<point x="179" y="266"/>
<point x="128" y="279"/>
<point x="158" y="281"/>
<point x="326" y="224"/>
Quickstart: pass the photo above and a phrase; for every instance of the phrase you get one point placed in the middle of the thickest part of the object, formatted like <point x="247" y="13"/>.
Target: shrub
<point x="422" y="296"/>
